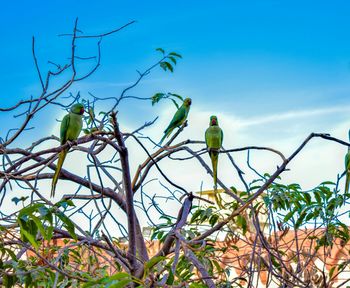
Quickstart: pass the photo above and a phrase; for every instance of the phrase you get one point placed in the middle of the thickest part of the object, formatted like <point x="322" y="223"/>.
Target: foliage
<point x="204" y="245"/>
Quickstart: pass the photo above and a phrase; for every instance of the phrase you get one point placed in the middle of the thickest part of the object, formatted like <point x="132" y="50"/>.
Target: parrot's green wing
<point x="74" y="127"/>
<point x="71" y="126"/>
<point x="347" y="170"/>
<point x="177" y="120"/>
<point x="213" y="139"/>
<point x="179" y="117"/>
<point x="207" y="137"/>
<point x="64" y="129"/>
<point x="61" y="158"/>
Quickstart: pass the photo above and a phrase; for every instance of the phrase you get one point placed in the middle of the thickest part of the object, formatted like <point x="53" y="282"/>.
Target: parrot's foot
<point x="213" y="149"/>
<point x="70" y="143"/>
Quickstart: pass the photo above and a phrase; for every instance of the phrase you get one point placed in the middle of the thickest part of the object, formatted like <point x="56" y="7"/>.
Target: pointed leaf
<point x="160" y="50"/>
<point x="175" y="54"/>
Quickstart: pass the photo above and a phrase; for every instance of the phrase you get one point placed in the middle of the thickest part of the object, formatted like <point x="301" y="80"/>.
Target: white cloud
<point x="320" y="160"/>
<point x="293" y="115"/>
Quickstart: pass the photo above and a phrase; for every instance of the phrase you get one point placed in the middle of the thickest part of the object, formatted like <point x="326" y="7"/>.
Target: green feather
<point x="214" y="156"/>
<point x="214" y="138"/>
<point x="71" y="126"/>
<point x="347" y="169"/>
<point x="178" y="119"/>
<point x="61" y="158"/>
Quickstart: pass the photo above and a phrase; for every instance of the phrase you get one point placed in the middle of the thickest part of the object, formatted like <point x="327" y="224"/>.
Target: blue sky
<point x="279" y="55"/>
<point x="273" y="71"/>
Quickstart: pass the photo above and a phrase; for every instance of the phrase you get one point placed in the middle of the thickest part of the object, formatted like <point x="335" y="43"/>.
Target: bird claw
<point x="70" y="143"/>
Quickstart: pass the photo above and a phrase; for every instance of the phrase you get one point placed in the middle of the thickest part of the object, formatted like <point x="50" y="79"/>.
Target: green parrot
<point x="347" y="168"/>
<point x="178" y="119"/>
<point x="213" y="138"/>
<point x="71" y="126"/>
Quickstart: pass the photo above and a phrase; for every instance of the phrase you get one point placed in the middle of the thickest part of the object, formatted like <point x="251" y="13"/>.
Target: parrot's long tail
<point x="167" y="132"/>
<point x="214" y="156"/>
<point x="61" y="158"/>
<point x="161" y="140"/>
<point x="347" y="181"/>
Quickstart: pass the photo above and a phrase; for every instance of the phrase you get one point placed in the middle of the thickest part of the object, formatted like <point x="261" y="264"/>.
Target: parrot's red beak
<point x="213" y="122"/>
<point x="82" y="111"/>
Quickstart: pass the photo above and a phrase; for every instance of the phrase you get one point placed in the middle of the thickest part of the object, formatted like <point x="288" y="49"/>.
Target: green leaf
<point x="153" y="261"/>
<point x="328" y="183"/>
<point x="160" y="235"/>
<point x="166" y="66"/>
<point x="68" y="224"/>
<point x="196" y="215"/>
<point x="241" y="222"/>
<point x="177" y="105"/>
<point x="16" y="200"/>
<point x="175" y="54"/>
<point x="171" y="278"/>
<point x="162" y="65"/>
<point x="217" y="266"/>
<point x="9" y="280"/>
<point x="172" y="59"/>
<point x="331" y="272"/>
<point x="310" y="216"/>
<point x="119" y="276"/>
<point x="40" y="226"/>
<point x="65" y="203"/>
<point x="289" y="215"/>
<point x="120" y="284"/>
<point x="160" y="50"/>
<point x="29" y="210"/>
<point x="177" y="96"/>
<point x="307" y="198"/>
<point x="169" y="66"/>
<point x="300" y="220"/>
<point x="157" y="97"/>
<point x="213" y="219"/>
<point x="198" y="285"/>
<point x="318" y="197"/>
<point x="30" y="238"/>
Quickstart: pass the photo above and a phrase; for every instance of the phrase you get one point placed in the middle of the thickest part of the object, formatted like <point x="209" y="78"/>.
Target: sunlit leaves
<point x="37" y="218"/>
<point x="16" y="200"/>
<point x="117" y="280"/>
<point x="161" y="50"/>
<point x="320" y="204"/>
<point x="242" y="223"/>
<point x="171" y="96"/>
<point x="205" y="215"/>
<point x="169" y="60"/>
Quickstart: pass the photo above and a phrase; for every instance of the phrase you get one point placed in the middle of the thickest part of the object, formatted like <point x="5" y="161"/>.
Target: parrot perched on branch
<point x="347" y="168"/>
<point x="178" y="119"/>
<point x="71" y="126"/>
<point x="213" y="138"/>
